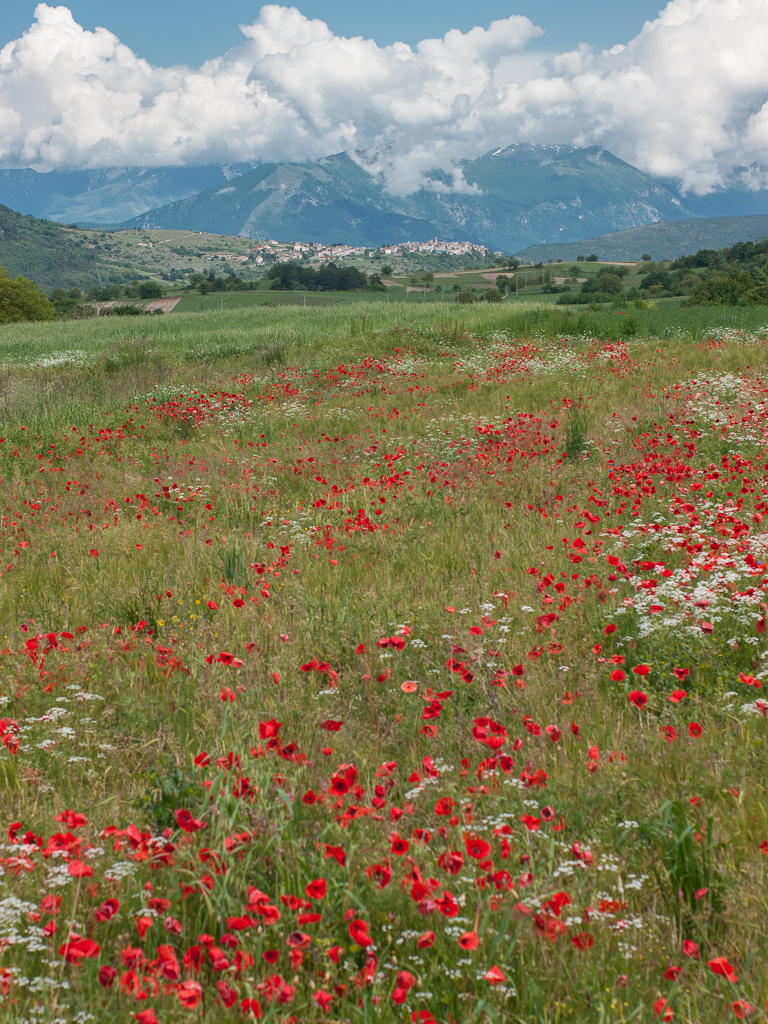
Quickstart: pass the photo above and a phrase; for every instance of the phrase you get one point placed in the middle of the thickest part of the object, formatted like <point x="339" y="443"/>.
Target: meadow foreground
<point x="383" y="672"/>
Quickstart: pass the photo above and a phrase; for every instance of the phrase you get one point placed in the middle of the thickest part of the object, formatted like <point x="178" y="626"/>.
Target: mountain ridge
<point x="106" y="196"/>
<point x="516" y="195"/>
<point x="663" y="240"/>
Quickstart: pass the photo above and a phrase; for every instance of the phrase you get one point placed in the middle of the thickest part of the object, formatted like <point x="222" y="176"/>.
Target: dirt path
<point x="167" y="305"/>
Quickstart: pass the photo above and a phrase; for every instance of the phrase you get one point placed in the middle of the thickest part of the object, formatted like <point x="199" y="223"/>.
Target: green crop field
<point x="384" y="662"/>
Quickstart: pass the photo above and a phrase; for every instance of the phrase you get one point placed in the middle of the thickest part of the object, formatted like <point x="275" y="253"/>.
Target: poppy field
<point x="398" y="669"/>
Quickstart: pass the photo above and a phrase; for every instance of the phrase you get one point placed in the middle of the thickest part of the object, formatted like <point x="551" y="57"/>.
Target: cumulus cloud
<point x="687" y="98"/>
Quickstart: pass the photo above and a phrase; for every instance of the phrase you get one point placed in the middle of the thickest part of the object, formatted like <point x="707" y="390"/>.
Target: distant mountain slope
<point x="666" y="240"/>
<point x="519" y="195"/>
<point x="106" y="196"/>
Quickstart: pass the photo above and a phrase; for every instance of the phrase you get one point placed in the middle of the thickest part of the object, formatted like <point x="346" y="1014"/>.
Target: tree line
<point x="329" y="278"/>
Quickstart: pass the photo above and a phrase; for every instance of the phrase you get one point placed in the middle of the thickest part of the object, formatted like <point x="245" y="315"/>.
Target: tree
<point x="386" y="270"/>
<point x="611" y="284"/>
<point x="646" y="257"/>
<point x="591" y="259"/>
<point x="151" y="290"/>
<point x="726" y="290"/>
<point x="466" y="297"/>
<point x="492" y="295"/>
<point x="22" y="300"/>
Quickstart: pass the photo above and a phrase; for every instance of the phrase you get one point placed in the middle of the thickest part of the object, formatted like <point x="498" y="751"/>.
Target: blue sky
<point x="191" y="31"/>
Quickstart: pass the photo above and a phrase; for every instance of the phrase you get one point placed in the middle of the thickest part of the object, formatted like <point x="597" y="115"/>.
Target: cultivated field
<point x="386" y="664"/>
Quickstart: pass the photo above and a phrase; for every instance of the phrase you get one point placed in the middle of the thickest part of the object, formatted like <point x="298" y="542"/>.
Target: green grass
<point x="414" y="529"/>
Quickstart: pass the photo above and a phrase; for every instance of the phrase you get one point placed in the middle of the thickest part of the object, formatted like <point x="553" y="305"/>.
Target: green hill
<point x="47" y="253"/>
<point x="58" y="256"/>
<point x="665" y="240"/>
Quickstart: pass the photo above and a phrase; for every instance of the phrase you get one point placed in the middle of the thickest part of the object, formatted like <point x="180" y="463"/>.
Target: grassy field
<point x="395" y="664"/>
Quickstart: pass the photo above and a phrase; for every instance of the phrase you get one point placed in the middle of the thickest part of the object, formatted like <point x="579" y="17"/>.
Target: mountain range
<point x="107" y="196"/>
<point x="511" y="199"/>
<point x="514" y="197"/>
<point x="662" y="241"/>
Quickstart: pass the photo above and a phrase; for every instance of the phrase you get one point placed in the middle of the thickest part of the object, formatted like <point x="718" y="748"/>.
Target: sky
<point x="679" y="90"/>
<point x="192" y="31"/>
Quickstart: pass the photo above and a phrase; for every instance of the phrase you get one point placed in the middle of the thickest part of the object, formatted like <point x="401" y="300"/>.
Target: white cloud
<point x="687" y="98"/>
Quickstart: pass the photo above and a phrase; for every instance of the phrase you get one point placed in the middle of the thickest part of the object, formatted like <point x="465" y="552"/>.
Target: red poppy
<point x="662" y="1010"/>
<point x="469" y="940"/>
<point x="476" y="847"/>
<point x="186" y="822"/>
<point x="404" y="981"/>
<point x="336" y="852"/>
<point x="617" y="675"/>
<point x="531" y="823"/>
<point x="358" y="932"/>
<point x="107" y="910"/>
<point x="78" y="869"/>
<point x="330" y="725"/>
<point x="227" y="995"/>
<point x="425" y="940"/>
<point x="146" y="1017"/>
<point x="78" y="949"/>
<point x="671" y="973"/>
<point x="453" y="861"/>
<point x="107" y="976"/>
<point x="723" y="968"/>
<point x="691" y="949"/>
<point x="638" y="698"/>
<point x="677" y="695"/>
<point x="642" y="670"/>
<point x="681" y="673"/>
<point x="190" y="994"/>
<point x="447" y="904"/>
<point x="316" y="889"/>
<point x="399" y="846"/>
<point x="548" y="927"/>
<point x="494" y="976"/>
<point x="742" y="1009"/>
<point x="694" y="729"/>
<point x="583" y="940"/>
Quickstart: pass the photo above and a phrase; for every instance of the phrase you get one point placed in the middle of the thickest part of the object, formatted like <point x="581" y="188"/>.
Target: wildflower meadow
<point x="401" y="667"/>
